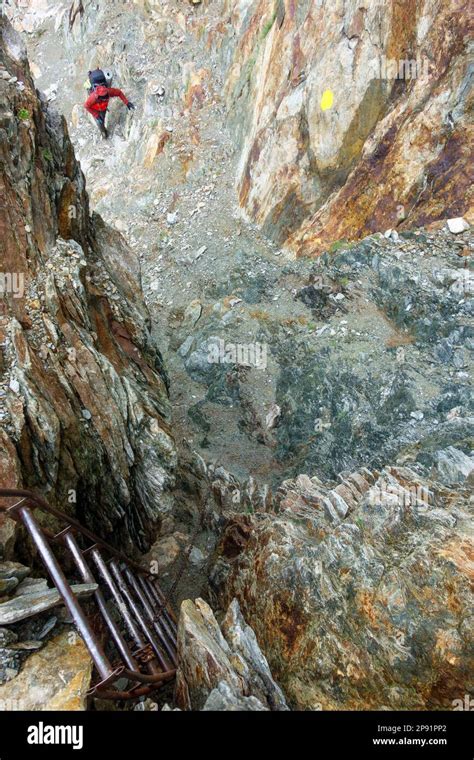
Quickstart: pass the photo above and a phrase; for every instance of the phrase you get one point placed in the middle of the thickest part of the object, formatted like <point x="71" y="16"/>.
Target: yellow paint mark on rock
<point x="327" y="100"/>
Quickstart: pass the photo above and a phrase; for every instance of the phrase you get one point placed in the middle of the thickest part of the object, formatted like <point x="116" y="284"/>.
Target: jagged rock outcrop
<point x="395" y="145"/>
<point x="359" y="594"/>
<point x="83" y="393"/>
<point x="222" y="668"/>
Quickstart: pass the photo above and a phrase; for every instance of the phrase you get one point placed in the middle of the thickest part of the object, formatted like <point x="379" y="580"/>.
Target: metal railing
<point x="141" y="650"/>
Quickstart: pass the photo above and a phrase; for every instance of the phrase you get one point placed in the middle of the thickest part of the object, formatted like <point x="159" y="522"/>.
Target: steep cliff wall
<point x="390" y="145"/>
<point x="83" y="392"/>
<point x="357" y="589"/>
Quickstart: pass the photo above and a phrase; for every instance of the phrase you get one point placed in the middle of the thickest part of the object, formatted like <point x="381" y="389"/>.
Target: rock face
<point x="344" y="340"/>
<point x="57" y="678"/>
<point x="351" y="117"/>
<point x="355" y="579"/>
<point x="222" y="668"/>
<point x="358" y="595"/>
<point x="314" y="365"/>
<point x="83" y="392"/>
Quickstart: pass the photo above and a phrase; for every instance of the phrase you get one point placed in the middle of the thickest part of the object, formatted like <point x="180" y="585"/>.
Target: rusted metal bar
<point x="140" y="603"/>
<point x="151" y="679"/>
<point x="86" y="574"/>
<point x="100" y="660"/>
<point x="150" y="614"/>
<point x="139" y="691"/>
<point x="138" y="614"/>
<point x="162" y="618"/>
<point x="160" y="613"/>
<point x="159" y="596"/>
<point x="119" y="601"/>
<point x="38" y="501"/>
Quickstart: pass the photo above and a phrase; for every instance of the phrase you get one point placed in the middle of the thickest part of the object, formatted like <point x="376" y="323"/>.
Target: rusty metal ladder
<point x="142" y="626"/>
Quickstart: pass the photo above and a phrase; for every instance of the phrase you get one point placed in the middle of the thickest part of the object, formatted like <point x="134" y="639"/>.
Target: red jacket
<point x="98" y="100"/>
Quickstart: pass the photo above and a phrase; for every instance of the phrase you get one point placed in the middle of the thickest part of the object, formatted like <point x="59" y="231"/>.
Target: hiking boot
<point x="102" y="129"/>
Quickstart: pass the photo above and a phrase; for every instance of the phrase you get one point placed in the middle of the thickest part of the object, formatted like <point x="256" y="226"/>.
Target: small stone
<point x="457" y="225"/>
<point x="26" y="646"/>
<point x="172" y="218"/>
<point x="417" y="415"/>
<point x="200" y="251"/>
<point x="32" y="586"/>
<point x="86" y="414"/>
<point x="196" y="557"/>
<point x="454" y="412"/>
<point x="165" y="551"/>
<point x="14" y="386"/>
<point x="14" y="570"/>
<point x="7" y="637"/>
<point x="185" y="347"/>
<point x="193" y="312"/>
<point x="47" y="628"/>
<point x="272" y="417"/>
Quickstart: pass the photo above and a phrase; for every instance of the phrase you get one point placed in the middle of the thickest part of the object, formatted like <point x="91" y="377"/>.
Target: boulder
<point x="452" y="466"/>
<point x="222" y="698"/>
<point x="457" y="225"/>
<point x="9" y="569"/>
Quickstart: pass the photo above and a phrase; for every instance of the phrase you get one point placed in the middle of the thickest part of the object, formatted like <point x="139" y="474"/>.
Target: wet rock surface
<point x="334" y="381"/>
<point x="337" y="346"/>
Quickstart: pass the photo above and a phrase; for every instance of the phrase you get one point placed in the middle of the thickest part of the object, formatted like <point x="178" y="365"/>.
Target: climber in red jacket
<point x="98" y="101"/>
